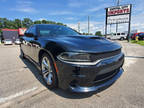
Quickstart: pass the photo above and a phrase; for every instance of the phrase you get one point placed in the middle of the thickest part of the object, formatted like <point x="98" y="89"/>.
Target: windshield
<point x="54" y="30"/>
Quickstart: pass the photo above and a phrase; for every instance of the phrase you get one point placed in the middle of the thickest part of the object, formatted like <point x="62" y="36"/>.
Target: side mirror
<point x="29" y="34"/>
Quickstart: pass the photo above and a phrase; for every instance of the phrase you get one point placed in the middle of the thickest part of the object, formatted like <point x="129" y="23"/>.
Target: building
<point x="11" y="34"/>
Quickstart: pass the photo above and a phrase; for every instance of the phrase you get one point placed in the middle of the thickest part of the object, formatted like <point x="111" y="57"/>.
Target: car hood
<point x="84" y="43"/>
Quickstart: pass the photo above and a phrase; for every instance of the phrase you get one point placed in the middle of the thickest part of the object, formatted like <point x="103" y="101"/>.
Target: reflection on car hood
<point x="86" y="43"/>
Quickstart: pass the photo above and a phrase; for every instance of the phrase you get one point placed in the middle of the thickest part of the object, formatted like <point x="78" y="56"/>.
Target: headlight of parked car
<point x="74" y="57"/>
<point x="77" y="58"/>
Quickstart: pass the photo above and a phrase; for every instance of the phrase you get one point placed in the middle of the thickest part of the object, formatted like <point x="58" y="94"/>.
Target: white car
<point x="17" y="41"/>
<point x="117" y="36"/>
<point x="8" y="42"/>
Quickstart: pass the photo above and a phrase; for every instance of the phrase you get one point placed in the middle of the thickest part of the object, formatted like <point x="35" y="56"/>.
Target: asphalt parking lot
<point x="22" y="86"/>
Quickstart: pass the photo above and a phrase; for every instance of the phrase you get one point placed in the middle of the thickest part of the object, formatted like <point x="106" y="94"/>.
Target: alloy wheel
<point x="47" y="71"/>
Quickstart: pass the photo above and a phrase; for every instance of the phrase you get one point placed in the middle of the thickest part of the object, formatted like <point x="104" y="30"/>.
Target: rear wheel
<point x="48" y="71"/>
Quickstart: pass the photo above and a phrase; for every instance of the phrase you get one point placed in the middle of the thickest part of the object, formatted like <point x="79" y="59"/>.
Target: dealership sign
<point x="21" y="31"/>
<point x="118" y="14"/>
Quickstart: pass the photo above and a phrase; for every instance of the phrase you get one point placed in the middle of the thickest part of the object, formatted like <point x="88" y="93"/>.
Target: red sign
<point x="119" y="10"/>
<point x="21" y="31"/>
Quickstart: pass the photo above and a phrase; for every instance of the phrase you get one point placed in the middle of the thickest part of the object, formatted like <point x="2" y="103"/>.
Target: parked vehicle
<point x="72" y="61"/>
<point x="140" y="36"/>
<point x="118" y="36"/>
<point x="17" y="42"/>
<point x="8" y="42"/>
<point x="133" y="37"/>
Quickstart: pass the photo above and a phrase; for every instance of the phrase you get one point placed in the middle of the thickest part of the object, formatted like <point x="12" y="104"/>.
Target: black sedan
<point x="72" y="61"/>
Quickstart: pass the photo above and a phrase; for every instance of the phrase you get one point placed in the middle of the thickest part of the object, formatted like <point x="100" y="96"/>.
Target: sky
<point x="71" y="12"/>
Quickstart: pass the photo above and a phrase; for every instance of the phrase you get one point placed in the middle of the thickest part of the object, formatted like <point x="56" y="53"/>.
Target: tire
<point x="122" y="38"/>
<point x="22" y="54"/>
<point x="48" y="71"/>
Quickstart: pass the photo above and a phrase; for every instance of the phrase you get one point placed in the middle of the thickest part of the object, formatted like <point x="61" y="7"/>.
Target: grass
<point x="138" y="42"/>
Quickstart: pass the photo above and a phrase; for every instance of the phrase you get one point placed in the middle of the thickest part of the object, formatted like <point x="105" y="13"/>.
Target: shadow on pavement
<point x="60" y="92"/>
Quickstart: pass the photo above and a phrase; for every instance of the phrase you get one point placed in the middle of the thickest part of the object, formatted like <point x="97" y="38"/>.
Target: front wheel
<point x="48" y="71"/>
<point x="122" y="38"/>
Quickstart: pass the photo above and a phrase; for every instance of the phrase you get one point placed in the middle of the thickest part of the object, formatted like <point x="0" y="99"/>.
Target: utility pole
<point x="129" y="28"/>
<point x="21" y="24"/>
<point x="88" y="25"/>
<point x="79" y="27"/>
<point x="106" y="24"/>
<point x="118" y="2"/>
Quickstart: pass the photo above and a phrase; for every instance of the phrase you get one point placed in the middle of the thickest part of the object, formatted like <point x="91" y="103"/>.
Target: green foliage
<point x="138" y="42"/>
<point x="17" y="23"/>
<point x="86" y="33"/>
<point x="25" y="23"/>
<point x="98" y="33"/>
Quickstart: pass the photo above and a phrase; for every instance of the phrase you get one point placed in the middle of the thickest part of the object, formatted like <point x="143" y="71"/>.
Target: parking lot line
<point x="21" y="93"/>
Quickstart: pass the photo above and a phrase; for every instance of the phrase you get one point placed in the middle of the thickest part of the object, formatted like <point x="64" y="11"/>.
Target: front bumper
<point x="78" y="78"/>
<point x="8" y="43"/>
<point x="80" y="89"/>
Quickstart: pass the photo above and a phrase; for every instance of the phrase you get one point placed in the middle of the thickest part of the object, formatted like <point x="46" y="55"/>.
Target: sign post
<point x="129" y="28"/>
<point x="106" y="24"/>
<point x="118" y="15"/>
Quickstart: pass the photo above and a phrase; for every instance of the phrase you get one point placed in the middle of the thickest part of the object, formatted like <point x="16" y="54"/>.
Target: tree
<point x="37" y="22"/>
<point x="17" y="23"/>
<point x="59" y="23"/>
<point x="44" y="22"/>
<point x="98" y="33"/>
<point x="1" y="22"/>
<point x="27" y="22"/>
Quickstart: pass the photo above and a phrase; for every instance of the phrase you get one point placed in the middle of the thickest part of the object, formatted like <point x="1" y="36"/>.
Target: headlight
<point x="74" y="57"/>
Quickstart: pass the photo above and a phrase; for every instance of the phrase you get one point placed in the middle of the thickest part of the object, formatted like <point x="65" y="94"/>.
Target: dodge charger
<point x="72" y="61"/>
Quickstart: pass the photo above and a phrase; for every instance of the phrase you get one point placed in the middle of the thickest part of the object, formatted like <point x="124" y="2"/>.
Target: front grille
<point x="98" y="56"/>
<point x="100" y="79"/>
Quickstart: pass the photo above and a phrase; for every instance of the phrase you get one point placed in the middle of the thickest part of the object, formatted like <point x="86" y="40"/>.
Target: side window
<point x="32" y="30"/>
<point x="28" y="30"/>
<point x="122" y="33"/>
<point x="118" y="33"/>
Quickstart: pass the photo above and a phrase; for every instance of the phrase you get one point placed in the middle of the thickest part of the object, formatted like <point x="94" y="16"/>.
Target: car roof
<point x="46" y="25"/>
